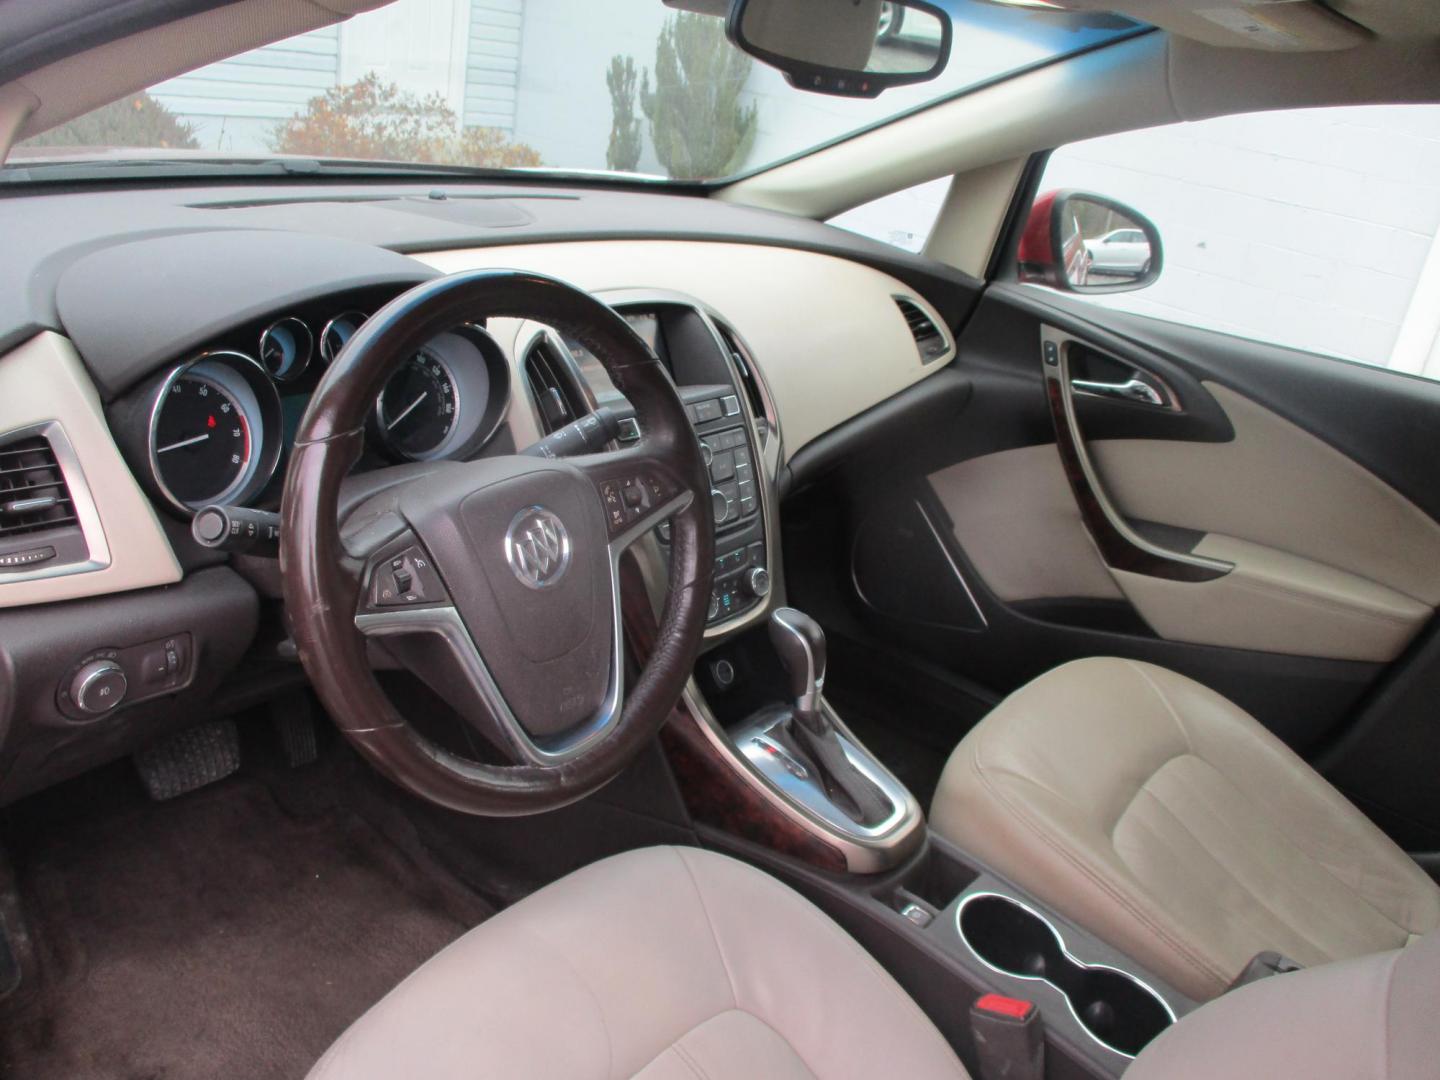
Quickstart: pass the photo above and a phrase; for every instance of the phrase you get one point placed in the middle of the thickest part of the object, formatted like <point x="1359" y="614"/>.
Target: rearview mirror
<point x="853" y="49"/>
<point x="1086" y="243"/>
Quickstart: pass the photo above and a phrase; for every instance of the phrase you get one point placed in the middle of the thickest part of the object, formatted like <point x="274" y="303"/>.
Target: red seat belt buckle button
<point x="1009" y="1038"/>
<point x="1000" y="1005"/>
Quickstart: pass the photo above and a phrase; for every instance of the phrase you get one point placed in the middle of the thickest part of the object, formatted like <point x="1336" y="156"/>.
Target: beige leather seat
<point x="1165" y="819"/>
<point x="661" y="963"/>
<point x="675" y="964"/>
<point x="1371" y="1018"/>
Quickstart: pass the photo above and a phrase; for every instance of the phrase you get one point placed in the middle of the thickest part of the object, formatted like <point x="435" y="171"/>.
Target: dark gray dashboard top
<point x="138" y="275"/>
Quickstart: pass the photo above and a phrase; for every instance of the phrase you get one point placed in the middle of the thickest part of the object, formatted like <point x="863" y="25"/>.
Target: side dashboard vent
<point x="33" y="494"/>
<point x="928" y="338"/>
<point x="557" y="399"/>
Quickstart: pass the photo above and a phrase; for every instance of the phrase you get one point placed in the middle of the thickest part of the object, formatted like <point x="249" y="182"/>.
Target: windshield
<point x="620" y="87"/>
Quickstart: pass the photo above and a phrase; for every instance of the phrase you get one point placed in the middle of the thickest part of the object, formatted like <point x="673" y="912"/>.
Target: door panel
<point x="1300" y="476"/>
<point x="1278" y="485"/>
<point x="1289" y="500"/>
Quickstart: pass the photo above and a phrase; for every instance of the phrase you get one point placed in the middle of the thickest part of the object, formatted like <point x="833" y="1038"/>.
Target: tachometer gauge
<point x="214" y="431"/>
<point x="285" y="348"/>
<point x="418" y="407"/>
<point x="337" y="332"/>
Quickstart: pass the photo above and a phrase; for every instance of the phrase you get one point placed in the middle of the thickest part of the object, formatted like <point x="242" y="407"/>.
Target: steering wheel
<point x="496" y="580"/>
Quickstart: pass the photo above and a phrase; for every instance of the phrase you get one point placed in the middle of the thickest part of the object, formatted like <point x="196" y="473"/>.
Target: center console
<point x="771" y="773"/>
<point x="946" y="926"/>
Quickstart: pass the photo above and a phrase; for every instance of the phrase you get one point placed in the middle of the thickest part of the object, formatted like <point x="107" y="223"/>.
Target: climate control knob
<point x="757" y="582"/>
<point x="720" y="505"/>
<point x="98" y="687"/>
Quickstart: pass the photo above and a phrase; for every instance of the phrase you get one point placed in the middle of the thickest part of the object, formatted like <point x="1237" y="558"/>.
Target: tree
<point x="135" y="121"/>
<point x="697" y="124"/>
<point x="623" y="153"/>
<point x="372" y="120"/>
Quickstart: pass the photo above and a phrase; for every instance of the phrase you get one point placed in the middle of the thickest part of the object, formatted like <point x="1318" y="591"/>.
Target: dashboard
<point x="160" y="348"/>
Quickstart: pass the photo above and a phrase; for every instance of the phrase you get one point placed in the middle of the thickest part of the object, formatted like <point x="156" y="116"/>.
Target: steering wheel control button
<point x="630" y="498"/>
<point x="406" y="579"/>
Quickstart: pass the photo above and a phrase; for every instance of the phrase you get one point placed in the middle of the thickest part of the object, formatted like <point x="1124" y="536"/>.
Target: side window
<point x="1315" y="229"/>
<point x="902" y="218"/>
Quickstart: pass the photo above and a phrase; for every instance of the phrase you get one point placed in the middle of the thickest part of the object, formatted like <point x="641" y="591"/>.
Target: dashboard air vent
<point x="743" y="368"/>
<point x="552" y="389"/>
<point x="33" y="494"/>
<point x="928" y="338"/>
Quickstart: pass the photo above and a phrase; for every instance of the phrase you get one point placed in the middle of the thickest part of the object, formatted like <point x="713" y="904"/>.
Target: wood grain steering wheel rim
<point x="538" y="663"/>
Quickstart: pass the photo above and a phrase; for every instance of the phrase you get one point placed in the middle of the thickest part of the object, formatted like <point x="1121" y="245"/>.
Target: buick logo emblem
<point x="537" y="547"/>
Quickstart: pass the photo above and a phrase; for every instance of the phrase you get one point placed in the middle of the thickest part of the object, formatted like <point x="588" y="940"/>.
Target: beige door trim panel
<point x="1322" y="558"/>
<point x="44" y="383"/>
<point x="1275" y="602"/>
<point x="1278" y="486"/>
<point x="1015" y="519"/>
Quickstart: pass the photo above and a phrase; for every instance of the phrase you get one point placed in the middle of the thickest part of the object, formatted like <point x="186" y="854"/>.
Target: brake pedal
<point x="294" y="722"/>
<point x="189" y="759"/>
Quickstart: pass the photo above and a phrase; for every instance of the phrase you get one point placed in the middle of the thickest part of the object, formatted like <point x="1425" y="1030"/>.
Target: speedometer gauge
<point x="214" y="431"/>
<point x="417" y="408"/>
<point x="202" y="439"/>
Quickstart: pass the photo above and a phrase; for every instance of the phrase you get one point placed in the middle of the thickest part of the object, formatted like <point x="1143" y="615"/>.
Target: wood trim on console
<point x="713" y="792"/>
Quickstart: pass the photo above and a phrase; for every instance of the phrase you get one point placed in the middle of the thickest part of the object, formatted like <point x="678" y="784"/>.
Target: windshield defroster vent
<point x="557" y="399"/>
<point x="929" y="339"/>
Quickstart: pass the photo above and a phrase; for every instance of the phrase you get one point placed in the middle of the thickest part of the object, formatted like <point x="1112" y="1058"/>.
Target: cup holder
<point x="1117" y="1010"/>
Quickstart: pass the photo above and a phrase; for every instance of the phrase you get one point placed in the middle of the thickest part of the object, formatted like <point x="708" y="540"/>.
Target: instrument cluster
<point x="222" y="422"/>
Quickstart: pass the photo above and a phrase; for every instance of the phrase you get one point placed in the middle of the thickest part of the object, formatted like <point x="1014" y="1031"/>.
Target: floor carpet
<point x="221" y="934"/>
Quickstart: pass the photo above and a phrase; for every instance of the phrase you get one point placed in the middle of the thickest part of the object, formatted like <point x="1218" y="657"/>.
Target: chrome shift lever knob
<point x="800" y="642"/>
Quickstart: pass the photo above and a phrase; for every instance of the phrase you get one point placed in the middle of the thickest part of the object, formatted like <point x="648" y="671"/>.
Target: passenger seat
<point x="1170" y="823"/>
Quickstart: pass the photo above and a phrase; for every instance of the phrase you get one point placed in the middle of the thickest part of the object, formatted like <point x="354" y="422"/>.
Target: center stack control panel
<point x="742" y="575"/>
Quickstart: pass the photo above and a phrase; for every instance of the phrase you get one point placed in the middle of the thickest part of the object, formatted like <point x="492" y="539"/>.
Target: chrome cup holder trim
<point x="1065" y="950"/>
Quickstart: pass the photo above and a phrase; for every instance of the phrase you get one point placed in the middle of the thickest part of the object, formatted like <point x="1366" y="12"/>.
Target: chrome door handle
<point x="1136" y="390"/>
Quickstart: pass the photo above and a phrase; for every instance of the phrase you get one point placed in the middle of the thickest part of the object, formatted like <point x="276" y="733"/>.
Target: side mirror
<point x="853" y="49"/>
<point x="1086" y="243"/>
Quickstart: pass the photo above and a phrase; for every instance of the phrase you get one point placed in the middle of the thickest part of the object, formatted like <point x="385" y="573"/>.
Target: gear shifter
<point x="800" y="643"/>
